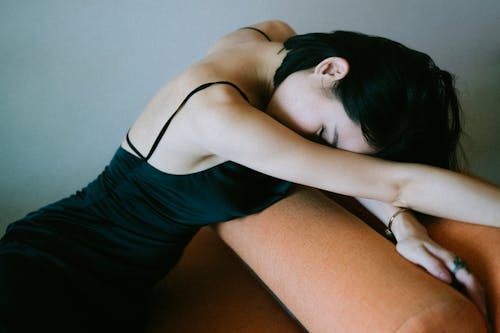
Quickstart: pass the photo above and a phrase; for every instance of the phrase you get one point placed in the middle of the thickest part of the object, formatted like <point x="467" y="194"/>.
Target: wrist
<point x="405" y="224"/>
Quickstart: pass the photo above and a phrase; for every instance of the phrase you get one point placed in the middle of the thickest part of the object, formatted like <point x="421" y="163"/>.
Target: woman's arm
<point x="236" y="131"/>
<point x="449" y="194"/>
<point x="276" y="30"/>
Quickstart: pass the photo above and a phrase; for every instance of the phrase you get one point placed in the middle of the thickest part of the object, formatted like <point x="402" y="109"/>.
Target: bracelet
<point x="388" y="230"/>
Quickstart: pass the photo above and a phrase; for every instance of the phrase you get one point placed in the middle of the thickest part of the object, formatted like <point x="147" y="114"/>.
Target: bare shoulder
<point x="276" y="30"/>
<point x="225" y="124"/>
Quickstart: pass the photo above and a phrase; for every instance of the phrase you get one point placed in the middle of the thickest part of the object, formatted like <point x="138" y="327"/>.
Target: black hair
<point x="406" y="106"/>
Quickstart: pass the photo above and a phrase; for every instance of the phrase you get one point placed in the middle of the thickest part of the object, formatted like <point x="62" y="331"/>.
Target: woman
<point x="225" y="139"/>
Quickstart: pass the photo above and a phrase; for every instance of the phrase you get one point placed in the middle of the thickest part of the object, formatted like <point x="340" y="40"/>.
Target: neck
<point x="270" y="58"/>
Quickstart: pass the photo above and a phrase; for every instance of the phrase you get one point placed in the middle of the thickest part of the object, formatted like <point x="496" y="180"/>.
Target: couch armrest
<point x="367" y="287"/>
<point x="211" y="290"/>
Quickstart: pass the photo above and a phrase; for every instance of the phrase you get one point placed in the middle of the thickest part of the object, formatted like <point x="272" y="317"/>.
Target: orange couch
<point x="351" y="278"/>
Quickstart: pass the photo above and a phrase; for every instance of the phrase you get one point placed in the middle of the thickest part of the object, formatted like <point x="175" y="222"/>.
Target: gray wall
<point x="74" y="74"/>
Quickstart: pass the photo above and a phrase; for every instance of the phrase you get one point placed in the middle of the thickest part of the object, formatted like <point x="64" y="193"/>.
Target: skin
<point x="316" y="111"/>
<point x="217" y="125"/>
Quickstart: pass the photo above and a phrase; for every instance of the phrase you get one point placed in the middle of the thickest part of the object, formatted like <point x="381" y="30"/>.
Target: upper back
<point x="274" y="30"/>
<point x="224" y="62"/>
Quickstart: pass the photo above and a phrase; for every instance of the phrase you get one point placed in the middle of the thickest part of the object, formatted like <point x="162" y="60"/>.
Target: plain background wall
<point x="74" y="74"/>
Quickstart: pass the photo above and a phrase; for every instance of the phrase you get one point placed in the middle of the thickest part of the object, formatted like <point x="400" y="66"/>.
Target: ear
<point x="335" y="68"/>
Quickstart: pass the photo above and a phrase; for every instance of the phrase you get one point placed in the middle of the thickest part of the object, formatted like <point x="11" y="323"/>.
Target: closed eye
<point x="335" y="140"/>
<point x="320" y="134"/>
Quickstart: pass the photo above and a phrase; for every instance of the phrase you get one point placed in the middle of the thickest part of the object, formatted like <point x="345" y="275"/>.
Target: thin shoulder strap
<point x="164" y="128"/>
<point x="259" y="31"/>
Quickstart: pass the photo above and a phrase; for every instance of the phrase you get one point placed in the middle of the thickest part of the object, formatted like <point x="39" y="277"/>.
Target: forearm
<point x="449" y="194"/>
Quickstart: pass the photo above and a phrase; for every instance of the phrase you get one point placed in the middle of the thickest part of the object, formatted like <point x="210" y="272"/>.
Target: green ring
<point x="458" y="264"/>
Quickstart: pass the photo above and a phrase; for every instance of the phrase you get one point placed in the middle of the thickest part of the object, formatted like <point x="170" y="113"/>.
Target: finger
<point x="440" y="252"/>
<point x="473" y="287"/>
<point x="461" y="272"/>
<point x="420" y="256"/>
<point x="446" y="257"/>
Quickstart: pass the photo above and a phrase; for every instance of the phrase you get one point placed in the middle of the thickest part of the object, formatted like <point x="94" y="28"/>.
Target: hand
<point x="420" y="249"/>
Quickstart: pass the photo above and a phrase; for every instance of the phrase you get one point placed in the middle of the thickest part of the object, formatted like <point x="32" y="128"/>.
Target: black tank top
<point x="137" y="219"/>
<point x="219" y="193"/>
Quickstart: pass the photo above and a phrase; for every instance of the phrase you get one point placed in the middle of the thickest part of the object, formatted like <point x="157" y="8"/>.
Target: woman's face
<point x="304" y="103"/>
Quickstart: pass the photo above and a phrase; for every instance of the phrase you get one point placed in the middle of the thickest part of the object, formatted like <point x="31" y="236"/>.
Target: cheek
<point x="351" y="138"/>
<point x="293" y="111"/>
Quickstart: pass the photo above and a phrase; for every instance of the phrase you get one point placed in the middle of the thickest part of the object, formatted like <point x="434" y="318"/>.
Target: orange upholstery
<point x="210" y="290"/>
<point x="331" y="270"/>
<point x="480" y="246"/>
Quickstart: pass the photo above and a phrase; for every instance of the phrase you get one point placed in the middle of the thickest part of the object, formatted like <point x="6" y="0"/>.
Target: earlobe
<point x="335" y="67"/>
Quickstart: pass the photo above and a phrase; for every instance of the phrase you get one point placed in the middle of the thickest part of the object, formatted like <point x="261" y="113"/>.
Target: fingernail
<point x="444" y="276"/>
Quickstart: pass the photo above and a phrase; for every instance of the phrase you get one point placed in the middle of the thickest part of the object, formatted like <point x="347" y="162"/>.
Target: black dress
<point x="88" y="263"/>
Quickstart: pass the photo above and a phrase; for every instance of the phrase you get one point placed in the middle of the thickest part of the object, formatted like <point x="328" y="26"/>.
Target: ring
<point x="458" y="264"/>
